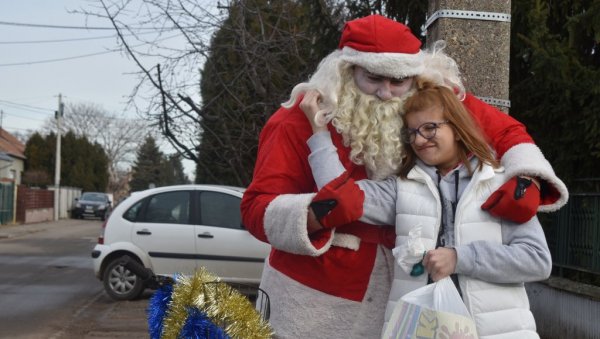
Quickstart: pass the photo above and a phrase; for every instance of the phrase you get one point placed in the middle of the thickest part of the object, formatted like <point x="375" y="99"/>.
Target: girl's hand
<point x="310" y="106"/>
<point x="440" y="262"/>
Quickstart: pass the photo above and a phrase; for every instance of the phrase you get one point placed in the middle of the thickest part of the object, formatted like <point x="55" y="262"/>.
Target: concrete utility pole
<point x="477" y="34"/>
<point x="58" y="116"/>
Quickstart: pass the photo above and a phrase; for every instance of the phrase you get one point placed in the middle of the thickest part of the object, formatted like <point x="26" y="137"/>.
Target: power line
<point x="18" y="128"/>
<point x="16" y="105"/>
<point x="28" y="106"/>
<point x="51" y="41"/>
<point x="77" y="56"/>
<point x="26" y="118"/>
<point x="67" y="40"/>
<point x="59" y="59"/>
<point x="24" y="24"/>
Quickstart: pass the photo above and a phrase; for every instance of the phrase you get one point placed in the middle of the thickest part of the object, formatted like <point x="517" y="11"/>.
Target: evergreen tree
<point x="148" y="167"/>
<point x="555" y="67"/>
<point x="260" y="52"/>
<point x="153" y="167"/>
<point x="175" y="174"/>
<point x="37" y="152"/>
<point x="83" y="164"/>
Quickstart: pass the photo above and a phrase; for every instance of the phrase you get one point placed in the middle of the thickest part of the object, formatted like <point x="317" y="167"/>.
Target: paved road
<point x="48" y="289"/>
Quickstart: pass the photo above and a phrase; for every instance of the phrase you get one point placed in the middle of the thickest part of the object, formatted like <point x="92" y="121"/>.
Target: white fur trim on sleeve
<point x="285" y="225"/>
<point x="527" y="159"/>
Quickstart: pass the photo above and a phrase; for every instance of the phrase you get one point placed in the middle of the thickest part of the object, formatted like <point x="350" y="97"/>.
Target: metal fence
<point x="7" y="194"/>
<point x="573" y="234"/>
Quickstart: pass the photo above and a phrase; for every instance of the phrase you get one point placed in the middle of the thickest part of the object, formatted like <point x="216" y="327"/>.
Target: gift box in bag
<point x="435" y="311"/>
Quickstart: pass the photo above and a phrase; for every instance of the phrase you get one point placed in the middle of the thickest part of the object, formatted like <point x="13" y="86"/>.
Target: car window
<point x="220" y="209"/>
<point x="132" y="213"/>
<point x="169" y="207"/>
<point x="100" y="197"/>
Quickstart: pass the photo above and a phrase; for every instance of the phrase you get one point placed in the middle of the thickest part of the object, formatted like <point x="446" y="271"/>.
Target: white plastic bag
<point x="411" y="251"/>
<point x="431" y="312"/>
<point x="439" y="296"/>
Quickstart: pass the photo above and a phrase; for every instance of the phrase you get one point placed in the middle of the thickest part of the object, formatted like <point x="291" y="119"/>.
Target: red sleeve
<point x="281" y="166"/>
<point x="502" y="130"/>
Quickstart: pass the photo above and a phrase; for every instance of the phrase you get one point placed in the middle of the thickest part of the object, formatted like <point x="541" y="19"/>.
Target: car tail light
<point x="101" y="237"/>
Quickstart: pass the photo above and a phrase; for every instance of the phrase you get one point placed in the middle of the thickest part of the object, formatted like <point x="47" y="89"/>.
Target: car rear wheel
<point x="120" y="283"/>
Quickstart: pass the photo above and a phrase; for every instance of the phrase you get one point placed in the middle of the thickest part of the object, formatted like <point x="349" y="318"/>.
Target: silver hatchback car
<point x="177" y="229"/>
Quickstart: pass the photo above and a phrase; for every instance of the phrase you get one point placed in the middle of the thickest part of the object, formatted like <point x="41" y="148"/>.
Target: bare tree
<point x="168" y="41"/>
<point x="265" y="48"/>
<point x="119" y="137"/>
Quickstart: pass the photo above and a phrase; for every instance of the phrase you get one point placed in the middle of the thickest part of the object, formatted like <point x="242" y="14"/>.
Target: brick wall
<point x="30" y="198"/>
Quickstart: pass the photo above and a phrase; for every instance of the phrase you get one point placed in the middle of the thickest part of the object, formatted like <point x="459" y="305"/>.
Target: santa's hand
<point x="339" y="202"/>
<point x="517" y="200"/>
<point x="440" y="262"/>
<point x="310" y="106"/>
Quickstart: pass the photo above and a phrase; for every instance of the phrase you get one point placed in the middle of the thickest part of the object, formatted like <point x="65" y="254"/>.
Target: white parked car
<point x="178" y="229"/>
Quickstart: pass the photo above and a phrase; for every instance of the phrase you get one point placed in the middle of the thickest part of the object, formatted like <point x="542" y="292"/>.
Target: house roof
<point x="11" y="145"/>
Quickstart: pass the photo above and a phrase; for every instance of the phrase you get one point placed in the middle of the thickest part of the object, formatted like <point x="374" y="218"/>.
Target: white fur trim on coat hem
<point x="285" y="225"/>
<point x="298" y="311"/>
<point x="527" y="159"/>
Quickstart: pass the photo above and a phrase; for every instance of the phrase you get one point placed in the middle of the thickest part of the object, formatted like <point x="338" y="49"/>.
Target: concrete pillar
<point x="480" y="47"/>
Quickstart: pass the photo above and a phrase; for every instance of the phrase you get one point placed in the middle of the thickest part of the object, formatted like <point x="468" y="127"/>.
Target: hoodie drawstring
<point x="454" y="204"/>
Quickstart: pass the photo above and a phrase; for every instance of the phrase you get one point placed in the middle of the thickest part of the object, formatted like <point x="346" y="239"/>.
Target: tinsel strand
<point x="229" y="308"/>
<point x="182" y="297"/>
<point x="203" y="304"/>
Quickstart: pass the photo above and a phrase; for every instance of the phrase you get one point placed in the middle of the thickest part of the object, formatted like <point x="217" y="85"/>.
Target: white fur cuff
<point x="527" y="159"/>
<point x="285" y="225"/>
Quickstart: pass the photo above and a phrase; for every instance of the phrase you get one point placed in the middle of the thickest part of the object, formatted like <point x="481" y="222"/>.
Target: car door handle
<point x="205" y="235"/>
<point x="144" y="232"/>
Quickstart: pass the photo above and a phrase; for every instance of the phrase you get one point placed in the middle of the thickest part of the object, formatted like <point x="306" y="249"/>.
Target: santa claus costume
<point x="335" y="283"/>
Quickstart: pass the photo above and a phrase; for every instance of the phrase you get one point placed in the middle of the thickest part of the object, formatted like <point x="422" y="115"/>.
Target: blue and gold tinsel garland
<point x="201" y="306"/>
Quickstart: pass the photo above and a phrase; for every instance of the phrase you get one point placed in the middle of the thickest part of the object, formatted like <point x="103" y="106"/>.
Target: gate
<point x="7" y="195"/>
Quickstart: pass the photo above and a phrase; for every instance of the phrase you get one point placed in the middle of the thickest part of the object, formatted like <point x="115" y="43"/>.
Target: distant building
<point x="12" y="157"/>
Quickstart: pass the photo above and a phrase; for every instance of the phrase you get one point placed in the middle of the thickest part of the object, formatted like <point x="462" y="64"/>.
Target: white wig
<point x="327" y="79"/>
<point x="442" y="69"/>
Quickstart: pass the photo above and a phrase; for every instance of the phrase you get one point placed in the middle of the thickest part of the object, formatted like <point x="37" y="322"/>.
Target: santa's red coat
<point x="274" y="206"/>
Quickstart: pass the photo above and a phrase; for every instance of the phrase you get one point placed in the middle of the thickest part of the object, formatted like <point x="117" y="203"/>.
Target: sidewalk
<point x="103" y="318"/>
<point x="17" y="230"/>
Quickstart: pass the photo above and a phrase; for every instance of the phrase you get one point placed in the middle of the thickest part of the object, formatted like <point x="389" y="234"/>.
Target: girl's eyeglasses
<point x="426" y="130"/>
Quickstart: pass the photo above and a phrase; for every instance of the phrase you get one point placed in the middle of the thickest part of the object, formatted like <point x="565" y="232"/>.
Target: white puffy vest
<point x="499" y="310"/>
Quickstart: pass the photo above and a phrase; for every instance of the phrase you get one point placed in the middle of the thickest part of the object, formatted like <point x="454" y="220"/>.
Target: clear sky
<point x="30" y="84"/>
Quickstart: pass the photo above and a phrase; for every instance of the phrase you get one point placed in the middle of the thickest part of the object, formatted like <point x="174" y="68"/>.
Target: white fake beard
<point x="371" y="128"/>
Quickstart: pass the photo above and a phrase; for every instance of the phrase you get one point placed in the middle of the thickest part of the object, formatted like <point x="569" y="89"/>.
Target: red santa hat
<point x="382" y="46"/>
